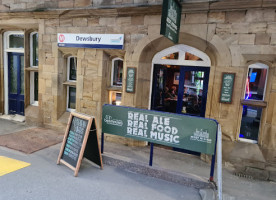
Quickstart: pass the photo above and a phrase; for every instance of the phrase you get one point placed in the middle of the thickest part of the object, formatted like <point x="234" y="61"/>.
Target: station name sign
<point x="97" y="41"/>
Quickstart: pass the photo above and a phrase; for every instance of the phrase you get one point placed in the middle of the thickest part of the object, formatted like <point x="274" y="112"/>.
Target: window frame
<point x="32" y="88"/>
<point x="67" y="98"/>
<point x="31" y="50"/>
<point x="68" y="68"/>
<point x="254" y="102"/>
<point x="257" y="66"/>
<point x="33" y="69"/>
<point x="72" y="83"/>
<point x="110" y="96"/>
<point x="112" y="72"/>
<point x="9" y="33"/>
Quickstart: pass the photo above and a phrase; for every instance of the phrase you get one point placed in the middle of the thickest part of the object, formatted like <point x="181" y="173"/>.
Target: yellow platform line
<point x="8" y="165"/>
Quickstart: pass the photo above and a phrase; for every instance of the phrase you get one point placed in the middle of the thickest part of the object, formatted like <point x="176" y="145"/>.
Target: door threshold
<point x="16" y="117"/>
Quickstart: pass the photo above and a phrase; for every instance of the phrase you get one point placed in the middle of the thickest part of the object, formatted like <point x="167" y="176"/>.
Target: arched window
<point x="182" y="55"/>
<point x="179" y="83"/>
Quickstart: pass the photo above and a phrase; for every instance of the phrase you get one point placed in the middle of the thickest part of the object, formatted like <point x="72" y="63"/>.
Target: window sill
<point x="248" y="141"/>
<point x="115" y="88"/>
<point x="254" y="103"/>
<point x="70" y="83"/>
<point x="34" y="103"/>
<point x="70" y="110"/>
<point x="32" y="69"/>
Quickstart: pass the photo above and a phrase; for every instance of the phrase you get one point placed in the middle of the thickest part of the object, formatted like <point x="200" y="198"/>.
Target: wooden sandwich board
<point x="80" y="140"/>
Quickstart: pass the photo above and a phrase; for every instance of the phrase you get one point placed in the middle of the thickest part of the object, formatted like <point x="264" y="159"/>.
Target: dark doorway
<point x="180" y="89"/>
<point x="16" y="83"/>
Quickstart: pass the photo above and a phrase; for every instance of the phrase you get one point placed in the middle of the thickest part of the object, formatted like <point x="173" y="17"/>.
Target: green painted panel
<point x="170" y="21"/>
<point x="174" y="130"/>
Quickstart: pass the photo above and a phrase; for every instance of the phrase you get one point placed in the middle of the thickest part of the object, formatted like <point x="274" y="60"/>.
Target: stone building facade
<point x="233" y="35"/>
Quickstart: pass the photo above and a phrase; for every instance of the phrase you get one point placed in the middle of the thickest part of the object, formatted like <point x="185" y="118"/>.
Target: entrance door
<point x="16" y="83"/>
<point x="180" y="89"/>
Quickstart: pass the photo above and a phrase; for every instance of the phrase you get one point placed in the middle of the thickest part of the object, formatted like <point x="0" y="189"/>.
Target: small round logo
<point x="61" y="38"/>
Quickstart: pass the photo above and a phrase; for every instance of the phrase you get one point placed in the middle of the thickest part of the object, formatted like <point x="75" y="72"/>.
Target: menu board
<point x="130" y="79"/>
<point x="80" y="140"/>
<point x="227" y="87"/>
<point x="74" y="141"/>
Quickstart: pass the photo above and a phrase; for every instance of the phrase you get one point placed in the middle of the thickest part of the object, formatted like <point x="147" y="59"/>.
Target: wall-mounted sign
<point x="80" y="140"/>
<point x="170" y="21"/>
<point x="130" y="79"/>
<point x="174" y="130"/>
<point x="227" y="85"/>
<point x="97" y="41"/>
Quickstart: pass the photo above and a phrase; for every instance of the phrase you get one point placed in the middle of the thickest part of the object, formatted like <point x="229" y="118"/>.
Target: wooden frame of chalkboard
<point x="130" y="89"/>
<point x="224" y="87"/>
<point x="80" y="140"/>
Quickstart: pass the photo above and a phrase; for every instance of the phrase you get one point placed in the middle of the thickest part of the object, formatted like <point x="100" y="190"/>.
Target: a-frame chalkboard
<point x="80" y="140"/>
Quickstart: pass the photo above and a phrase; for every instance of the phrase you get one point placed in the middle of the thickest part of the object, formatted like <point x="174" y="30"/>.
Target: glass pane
<point x="72" y="98"/>
<point x="116" y="98"/>
<point x="16" y="41"/>
<point x="193" y="87"/>
<point x="118" y="73"/>
<point x="250" y="122"/>
<point x="255" y="84"/>
<point x="73" y="69"/>
<point x="173" y="56"/>
<point x="22" y="75"/>
<point x="35" y="49"/>
<point x="35" y="86"/>
<point x="189" y="56"/>
<point x="13" y="74"/>
<point x="166" y="88"/>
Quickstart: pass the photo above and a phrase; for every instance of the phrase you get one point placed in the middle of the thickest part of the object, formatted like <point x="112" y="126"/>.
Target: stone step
<point x="128" y="164"/>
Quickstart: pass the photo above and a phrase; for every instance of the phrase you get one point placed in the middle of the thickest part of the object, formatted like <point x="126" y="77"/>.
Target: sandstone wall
<point x="232" y="39"/>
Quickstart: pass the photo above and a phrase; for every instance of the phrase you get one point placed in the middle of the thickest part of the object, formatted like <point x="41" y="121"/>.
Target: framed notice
<point x="80" y="140"/>
<point x="227" y="85"/>
<point x="130" y="79"/>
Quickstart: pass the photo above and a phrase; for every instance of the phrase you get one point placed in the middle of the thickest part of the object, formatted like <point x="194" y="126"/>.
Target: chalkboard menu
<point x="80" y="140"/>
<point x="130" y="79"/>
<point x="227" y="87"/>
<point x="74" y="141"/>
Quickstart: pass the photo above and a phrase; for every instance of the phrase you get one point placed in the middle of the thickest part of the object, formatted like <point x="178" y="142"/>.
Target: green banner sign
<point x="170" y="21"/>
<point x="227" y="87"/>
<point x="174" y="130"/>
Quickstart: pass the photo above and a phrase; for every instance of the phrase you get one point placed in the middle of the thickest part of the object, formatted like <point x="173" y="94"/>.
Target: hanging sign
<point x="170" y="21"/>
<point x="80" y="140"/>
<point x="97" y="41"/>
<point x="130" y="79"/>
<point x="227" y="85"/>
<point x="174" y="130"/>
